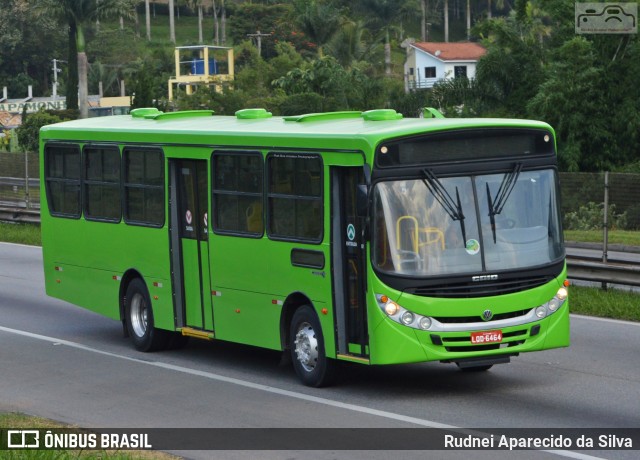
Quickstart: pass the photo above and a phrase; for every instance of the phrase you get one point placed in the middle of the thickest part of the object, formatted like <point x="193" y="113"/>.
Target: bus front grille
<point x="469" y="289"/>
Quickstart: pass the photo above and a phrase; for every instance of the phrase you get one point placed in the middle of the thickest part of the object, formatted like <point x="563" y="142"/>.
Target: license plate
<point x="486" y="337"/>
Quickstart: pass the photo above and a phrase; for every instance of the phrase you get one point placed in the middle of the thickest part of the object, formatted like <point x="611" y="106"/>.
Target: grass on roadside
<point x="612" y="303"/>
<point x="624" y="237"/>
<point x="20" y="233"/>
<point x="14" y="420"/>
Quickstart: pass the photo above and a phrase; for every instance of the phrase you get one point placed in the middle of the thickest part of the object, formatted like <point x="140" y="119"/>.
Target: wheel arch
<point x="127" y="277"/>
<point x="294" y="301"/>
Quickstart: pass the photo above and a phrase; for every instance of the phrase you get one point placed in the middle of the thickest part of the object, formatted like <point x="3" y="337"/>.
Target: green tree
<point x="276" y="20"/>
<point x="349" y="45"/>
<point x="570" y="100"/>
<point x="385" y="18"/>
<point x="29" y="41"/>
<point x="382" y="15"/>
<point x="29" y="131"/>
<point x="79" y="14"/>
<point x="319" y="20"/>
<point x="143" y="87"/>
<point x="513" y="68"/>
<point x="338" y="88"/>
<point x="107" y="75"/>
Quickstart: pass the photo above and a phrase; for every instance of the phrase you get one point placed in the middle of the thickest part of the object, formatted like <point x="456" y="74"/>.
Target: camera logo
<point x="606" y="18"/>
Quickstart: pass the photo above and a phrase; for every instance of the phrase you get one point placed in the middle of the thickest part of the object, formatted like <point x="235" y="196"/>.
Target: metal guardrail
<point x="23" y="215"/>
<point x="590" y="269"/>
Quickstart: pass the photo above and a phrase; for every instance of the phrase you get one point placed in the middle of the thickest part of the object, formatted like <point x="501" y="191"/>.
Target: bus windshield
<point x="466" y="224"/>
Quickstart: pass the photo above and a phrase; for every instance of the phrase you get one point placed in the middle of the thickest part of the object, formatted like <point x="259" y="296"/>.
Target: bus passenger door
<point x="349" y="264"/>
<point x="190" y="244"/>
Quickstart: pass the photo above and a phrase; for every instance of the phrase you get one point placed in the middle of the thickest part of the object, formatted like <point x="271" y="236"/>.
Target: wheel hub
<point x="138" y="315"/>
<point x="306" y="347"/>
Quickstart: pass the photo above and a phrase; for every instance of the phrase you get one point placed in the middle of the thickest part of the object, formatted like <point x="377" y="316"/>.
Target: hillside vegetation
<point x="320" y="55"/>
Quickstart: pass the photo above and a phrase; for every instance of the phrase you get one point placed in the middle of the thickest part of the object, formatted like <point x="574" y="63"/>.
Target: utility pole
<point x="55" y="76"/>
<point x="258" y="36"/>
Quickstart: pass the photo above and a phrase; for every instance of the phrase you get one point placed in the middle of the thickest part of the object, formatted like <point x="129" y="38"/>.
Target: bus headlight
<point x="562" y="294"/>
<point x="407" y="318"/>
<point x="401" y="315"/>
<point x="424" y="323"/>
<point x="554" y="304"/>
<point x="391" y="308"/>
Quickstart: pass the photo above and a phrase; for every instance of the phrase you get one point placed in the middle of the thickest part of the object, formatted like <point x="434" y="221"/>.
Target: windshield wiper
<point x="506" y="187"/>
<point x="452" y="208"/>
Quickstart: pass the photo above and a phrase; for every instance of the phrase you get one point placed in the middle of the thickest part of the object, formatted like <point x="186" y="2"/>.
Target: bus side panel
<point x="89" y="255"/>
<point x="91" y="288"/>
<point x="247" y="317"/>
<point x="313" y="283"/>
<point x="242" y="304"/>
<point x="254" y="277"/>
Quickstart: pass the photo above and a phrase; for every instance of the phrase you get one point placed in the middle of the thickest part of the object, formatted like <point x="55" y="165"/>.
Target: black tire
<point x="310" y="361"/>
<point x="139" y="319"/>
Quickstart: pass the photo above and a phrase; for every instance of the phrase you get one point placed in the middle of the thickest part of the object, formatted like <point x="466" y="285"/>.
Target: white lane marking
<point x="281" y="392"/>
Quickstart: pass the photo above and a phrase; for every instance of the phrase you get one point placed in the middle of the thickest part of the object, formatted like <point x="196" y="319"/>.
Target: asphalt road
<point x="62" y="362"/>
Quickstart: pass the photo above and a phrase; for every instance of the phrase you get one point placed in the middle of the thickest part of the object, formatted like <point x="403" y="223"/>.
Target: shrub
<point x="591" y="217"/>
<point x="29" y="131"/>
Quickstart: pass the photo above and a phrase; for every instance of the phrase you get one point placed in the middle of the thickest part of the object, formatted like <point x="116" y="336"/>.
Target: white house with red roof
<point x="429" y="62"/>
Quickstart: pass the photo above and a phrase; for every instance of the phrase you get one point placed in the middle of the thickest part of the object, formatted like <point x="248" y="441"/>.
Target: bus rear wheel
<point x="310" y="362"/>
<point x="139" y="319"/>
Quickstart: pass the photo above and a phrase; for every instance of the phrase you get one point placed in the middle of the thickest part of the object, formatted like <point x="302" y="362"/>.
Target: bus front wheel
<point x="139" y="318"/>
<point x="310" y="362"/>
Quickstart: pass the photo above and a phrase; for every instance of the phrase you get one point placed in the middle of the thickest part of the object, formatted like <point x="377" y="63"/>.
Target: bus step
<point x="355" y="359"/>
<point x="198" y="333"/>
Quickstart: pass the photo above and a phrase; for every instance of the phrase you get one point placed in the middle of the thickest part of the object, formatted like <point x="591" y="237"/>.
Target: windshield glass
<point x="471" y="224"/>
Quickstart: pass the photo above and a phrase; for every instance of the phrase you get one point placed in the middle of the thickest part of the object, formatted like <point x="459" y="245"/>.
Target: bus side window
<point x="295" y="197"/>
<point x="144" y="186"/>
<point x="102" y="183"/>
<point x="62" y="178"/>
<point x="237" y="193"/>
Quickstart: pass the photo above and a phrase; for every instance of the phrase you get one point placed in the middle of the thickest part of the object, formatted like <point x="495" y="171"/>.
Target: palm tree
<point x="200" y="40"/>
<point x="499" y="4"/>
<point x="468" y="19"/>
<point x="79" y="14"/>
<point x="216" y="23"/>
<point x="104" y="76"/>
<point x="219" y="23"/>
<point x="318" y="20"/>
<point x="348" y="45"/>
<point x="198" y="4"/>
<point x="172" y="23"/>
<point x="384" y="13"/>
<point x="147" y="17"/>
<point x="446" y="20"/>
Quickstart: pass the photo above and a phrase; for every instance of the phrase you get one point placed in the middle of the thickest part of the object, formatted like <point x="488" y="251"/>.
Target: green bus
<point x="357" y="236"/>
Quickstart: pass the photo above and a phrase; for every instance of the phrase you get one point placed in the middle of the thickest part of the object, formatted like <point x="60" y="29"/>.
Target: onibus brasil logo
<point x="71" y="439"/>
